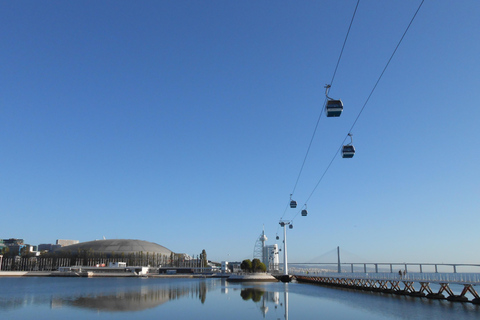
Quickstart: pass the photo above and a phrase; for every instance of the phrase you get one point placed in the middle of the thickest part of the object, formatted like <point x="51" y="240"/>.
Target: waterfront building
<point x="49" y="247"/>
<point x="270" y="254"/>
<point x="12" y="241"/>
<point x="64" y="243"/>
<point x="117" y="247"/>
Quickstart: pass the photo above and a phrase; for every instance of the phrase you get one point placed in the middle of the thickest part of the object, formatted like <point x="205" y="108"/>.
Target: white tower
<point x="259" y="251"/>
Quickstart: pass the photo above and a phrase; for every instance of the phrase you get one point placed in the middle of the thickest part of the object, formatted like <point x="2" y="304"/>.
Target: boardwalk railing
<point x="459" y="278"/>
<point x="376" y="277"/>
<point x="389" y="267"/>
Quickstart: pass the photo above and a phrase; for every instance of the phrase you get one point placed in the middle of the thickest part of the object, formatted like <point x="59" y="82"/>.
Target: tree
<point x="25" y="251"/>
<point x="258" y="266"/>
<point x="246" y="265"/>
<point x="203" y="258"/>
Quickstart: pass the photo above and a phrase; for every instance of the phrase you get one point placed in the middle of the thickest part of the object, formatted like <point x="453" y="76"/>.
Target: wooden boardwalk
<point x="400" y="284"/>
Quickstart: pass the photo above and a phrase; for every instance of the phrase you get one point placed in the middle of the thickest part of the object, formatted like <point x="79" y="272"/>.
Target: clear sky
<point x="185" y="123"/>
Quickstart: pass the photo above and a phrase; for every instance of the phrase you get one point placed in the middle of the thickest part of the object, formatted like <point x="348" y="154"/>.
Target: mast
<point x="338" y="255"/>
<point x="285" y="269"/>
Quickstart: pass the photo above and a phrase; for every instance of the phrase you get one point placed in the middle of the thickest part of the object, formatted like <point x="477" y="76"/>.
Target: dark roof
<point x="117" y="246"/>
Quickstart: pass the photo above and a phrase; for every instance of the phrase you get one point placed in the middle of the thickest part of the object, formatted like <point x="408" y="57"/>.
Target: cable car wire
<point x="320" y="115"/>
<point x="321" y="111"/>
<point x="344" y="42"/>
<point x="364" y="105"/>
<point x="331" y="82"/>
<point x="386" y="66"/>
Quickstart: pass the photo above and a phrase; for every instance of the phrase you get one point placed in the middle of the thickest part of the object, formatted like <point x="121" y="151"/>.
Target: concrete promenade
<point x="25" y="273"/>
<point x="58" y="274"/>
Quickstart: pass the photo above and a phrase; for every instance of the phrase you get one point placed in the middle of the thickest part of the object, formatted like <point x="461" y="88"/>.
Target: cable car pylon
<point x="285" y="277"/>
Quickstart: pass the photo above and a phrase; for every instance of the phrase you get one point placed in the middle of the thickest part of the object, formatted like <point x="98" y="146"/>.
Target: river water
<point x="181" y="299"/>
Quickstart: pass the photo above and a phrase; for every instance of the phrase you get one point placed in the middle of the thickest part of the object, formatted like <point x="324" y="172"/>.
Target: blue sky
<point x="185" y="123"/>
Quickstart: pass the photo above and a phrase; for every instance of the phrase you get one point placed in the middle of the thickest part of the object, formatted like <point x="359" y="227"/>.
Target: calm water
<point x="134" y="298"/>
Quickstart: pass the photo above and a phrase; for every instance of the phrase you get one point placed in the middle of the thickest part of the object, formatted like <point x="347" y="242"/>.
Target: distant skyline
<point x="186" y="123"/>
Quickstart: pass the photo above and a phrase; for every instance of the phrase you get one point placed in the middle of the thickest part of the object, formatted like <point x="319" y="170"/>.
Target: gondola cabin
<point x="293" y="204"/>
<point x="304" y="213"/>
<point x="291" y="226"/>
<point x="334" y="108"/>
<point x="348" y="151"/>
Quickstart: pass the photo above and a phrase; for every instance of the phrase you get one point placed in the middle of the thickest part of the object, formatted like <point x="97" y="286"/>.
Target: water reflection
<point x="263" y="298"/>
<point x="122" y="301"/>
<point x="212" y="298"/>
<point x="113" y="296"/>
<point x="252" y="293"/>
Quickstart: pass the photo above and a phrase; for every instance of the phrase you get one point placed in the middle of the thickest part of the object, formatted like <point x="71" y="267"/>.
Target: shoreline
<point x="17" y="274"/>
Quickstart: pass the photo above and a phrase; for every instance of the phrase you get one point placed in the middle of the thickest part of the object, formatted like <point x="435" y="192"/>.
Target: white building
<point x="270" y="254"/>
<point x="225" y="267"/>
<point x="63" y="242"/>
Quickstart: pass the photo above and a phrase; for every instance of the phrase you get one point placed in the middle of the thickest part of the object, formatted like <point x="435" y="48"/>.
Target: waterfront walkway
<point x="395" y="283"/>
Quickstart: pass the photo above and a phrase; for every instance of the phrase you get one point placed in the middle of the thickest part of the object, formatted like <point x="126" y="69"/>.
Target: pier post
<point x="454" y="268"/>
<point x="285" y="271"/>
<point x="365" y="267"/>
<point x="376" y="267"/>
<point x="338" y="255"/>
<point x="352" y="267"/>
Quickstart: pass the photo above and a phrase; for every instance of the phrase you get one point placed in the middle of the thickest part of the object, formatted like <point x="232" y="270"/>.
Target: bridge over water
<point x="454" y="282"/>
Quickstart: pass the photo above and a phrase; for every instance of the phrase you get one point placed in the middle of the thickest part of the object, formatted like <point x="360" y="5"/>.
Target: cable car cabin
<point x="348" y="151"/>
<point x="334" y="108"/>
<point x="293" y="204"/>
<point x="291" y="226"/>
<point x="304" y="213"/>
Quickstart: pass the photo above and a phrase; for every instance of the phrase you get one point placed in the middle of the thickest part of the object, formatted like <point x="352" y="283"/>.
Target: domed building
<point x="117" y="247"/>
<point x="132" y="252"/>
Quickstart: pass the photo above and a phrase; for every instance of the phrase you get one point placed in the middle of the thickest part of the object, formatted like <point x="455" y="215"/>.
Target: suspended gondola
<point x="334" y="107"/>
<point x="304" y="211"/>
<point x="348" y="151"/>
<point x="293" y="203"/>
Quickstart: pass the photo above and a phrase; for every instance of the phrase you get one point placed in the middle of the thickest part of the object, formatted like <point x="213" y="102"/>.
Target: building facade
<point x="270" y="254"/>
